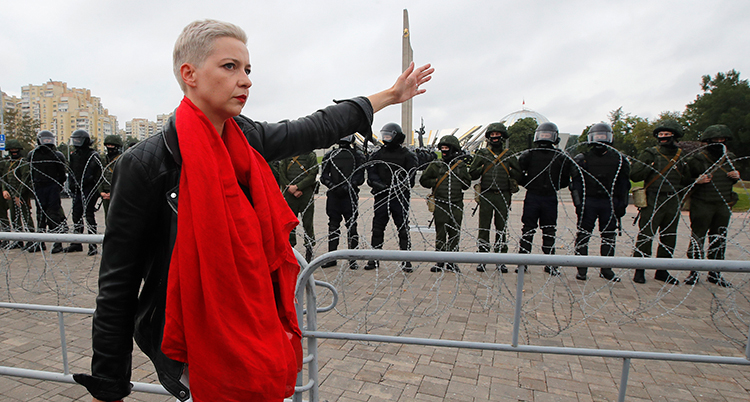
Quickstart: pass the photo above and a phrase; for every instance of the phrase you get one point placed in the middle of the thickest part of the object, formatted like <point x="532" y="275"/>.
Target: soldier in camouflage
<point x="298" y="180"/>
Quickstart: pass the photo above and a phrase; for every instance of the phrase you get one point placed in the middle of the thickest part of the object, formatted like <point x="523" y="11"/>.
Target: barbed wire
<point x="390" y="300"/>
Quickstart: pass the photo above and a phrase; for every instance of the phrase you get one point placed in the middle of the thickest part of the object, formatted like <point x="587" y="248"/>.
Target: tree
<point x="21" y="127"/>
<point x="521" y="135"/>
<point x="725" y="100"/>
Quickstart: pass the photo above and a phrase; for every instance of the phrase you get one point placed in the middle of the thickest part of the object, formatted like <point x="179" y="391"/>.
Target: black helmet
<point x="113" y="139"/>
<point x="392" y="135"/>
<point x="45" y="137"/>
<point x="671" y="126"/>
<point x="13" y="144"/>
<point x="716" y="131"/>
<point x="601" y="132"/>
<point x="496" y="128"/>
<point x="547" y="132"/>
<point x="80" y="138"/>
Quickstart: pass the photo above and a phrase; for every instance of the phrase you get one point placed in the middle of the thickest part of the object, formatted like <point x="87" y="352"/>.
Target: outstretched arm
<point x="405" y="88"/>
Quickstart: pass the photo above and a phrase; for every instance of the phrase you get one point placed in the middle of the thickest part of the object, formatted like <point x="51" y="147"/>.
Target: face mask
<point x="716" y="149"/>
<point x="599" y="149"/>
<point x="15" y="154"/>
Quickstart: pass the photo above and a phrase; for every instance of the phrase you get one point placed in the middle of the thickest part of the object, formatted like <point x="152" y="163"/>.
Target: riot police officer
<point x="87" y="171"/>
<point x="664" y="175"/>
<point x="343" y="173"/>
<point x="390" y="175"/>
<point x="448" y="178"/>
<point x="298" y="176"/>
<point x="712" y="199"/>
<point x="599" y="188"/>
<point x="16" y="187"/>
<point x="113" y="145"/>
<point x="48" y="169"/>
<point x="546" y="170"/>
<point x="498" y="175"/>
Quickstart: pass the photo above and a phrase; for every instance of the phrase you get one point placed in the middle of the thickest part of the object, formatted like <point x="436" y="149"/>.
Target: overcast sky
<point x="572" y="61"/>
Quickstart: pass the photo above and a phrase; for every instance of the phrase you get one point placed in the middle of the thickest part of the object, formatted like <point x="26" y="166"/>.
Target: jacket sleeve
<point x="319" y="130"/>
<point x="429" y="176"/>
<point x="477" y="166"/>
<point x="283" y="166"/>
<point x="130" y="219"/>
<point x="514" y="169"/>
<point x="643" y="167"/>
<point x="310" y="162"/>
<point x="358" y="176"/>
<point x="463" y="175"/>
<point x="325" y="172"/>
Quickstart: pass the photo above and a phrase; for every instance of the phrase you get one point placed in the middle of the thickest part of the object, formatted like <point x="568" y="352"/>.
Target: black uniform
<point x="391" y="177"/>
<point x="601" y="181"/>
<point x="47" y="176"/>
<point x="342" y="174"/>
<point x="546" y="170"/>
<point x="84" y="185"/>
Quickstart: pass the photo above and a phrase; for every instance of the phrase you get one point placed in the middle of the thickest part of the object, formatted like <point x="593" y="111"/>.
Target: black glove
<point x="577" y="199"/>
<point x="376" y="187"/>
<point x="620" y="208"/>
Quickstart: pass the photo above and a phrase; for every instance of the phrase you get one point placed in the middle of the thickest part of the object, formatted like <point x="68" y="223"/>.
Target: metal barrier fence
<point x="306" y="296"/>
<point x="307" y="309"/>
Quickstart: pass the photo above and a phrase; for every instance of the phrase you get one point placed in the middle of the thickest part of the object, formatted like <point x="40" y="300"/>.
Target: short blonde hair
<point x="196" y="42"/>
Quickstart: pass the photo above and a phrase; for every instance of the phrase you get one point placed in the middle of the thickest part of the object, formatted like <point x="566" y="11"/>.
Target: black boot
<point x="581" y="275"/>
<point x="608" y="274"/>
<point x="406" y="266"/>
<point x="329" y="264"/>
<point x="452" y="268"/>
<point x="15" y="245"/>
<point x="692" y="279"/>
<point x="72" y="248"/>
<point x="35" y="247"/>
<point x="481" y="268"/>
<point x="372" y="264"/>
<point x="92" y="250"/>
<point x="502" y="268"/>
<point x="640" y="276"/>
<point x="58" y="248"/>
<point x="525" y="268"/>
<point x="437" y="267"/>
<point x="716" y="278"/>
<point x="664" y="276"/>
<point x="353" y="264"/>
<point x="552" y="270"/>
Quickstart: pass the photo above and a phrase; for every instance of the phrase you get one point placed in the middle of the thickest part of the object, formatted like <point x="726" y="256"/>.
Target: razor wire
<point x="392" y="301"/>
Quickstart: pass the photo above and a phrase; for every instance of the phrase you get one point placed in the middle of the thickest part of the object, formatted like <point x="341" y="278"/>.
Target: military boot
<point x="639" y="276"/>
<point x="608" y="274"/>
<point x="716" y="278"/>
<point x="664" y="276"/>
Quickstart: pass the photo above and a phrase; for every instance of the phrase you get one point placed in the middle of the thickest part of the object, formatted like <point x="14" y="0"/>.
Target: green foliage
<point x="725" y="100"/>
<point x="21" y="127"/>
<point x="521" y="135"/>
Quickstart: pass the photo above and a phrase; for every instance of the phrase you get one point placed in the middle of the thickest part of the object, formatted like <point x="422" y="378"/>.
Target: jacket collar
<point x="171" y="141"/>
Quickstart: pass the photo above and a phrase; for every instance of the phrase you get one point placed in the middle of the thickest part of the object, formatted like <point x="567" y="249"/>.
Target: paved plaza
<point x="471" y="306"/>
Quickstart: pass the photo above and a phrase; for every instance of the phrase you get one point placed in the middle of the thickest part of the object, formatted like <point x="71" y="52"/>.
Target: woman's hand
<point x="405" y="88"/>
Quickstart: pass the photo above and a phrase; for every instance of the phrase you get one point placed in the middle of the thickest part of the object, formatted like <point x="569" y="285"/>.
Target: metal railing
<point x="307" y="316"/>
<point x="306" y="296"/>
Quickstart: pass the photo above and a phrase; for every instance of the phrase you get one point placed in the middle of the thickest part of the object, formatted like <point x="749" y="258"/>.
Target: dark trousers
<point x="493" y="205"/>
<point x="712" y="219"/>
<point x="448" y="218"/>
<point x="84" y="201"/>
<point x="20" y="215"/>
<point x="49" y="212"/>
<point x="391" y="205"/>
<point x="303" y="206"/>
<point x="596" y="209"/>
<point x="662" y="215"/>
<point x="340" y="208"/>
<point x="539" y="211"/>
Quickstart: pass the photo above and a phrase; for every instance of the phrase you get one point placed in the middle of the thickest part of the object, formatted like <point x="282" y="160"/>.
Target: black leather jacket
<point x="140" y="236"/>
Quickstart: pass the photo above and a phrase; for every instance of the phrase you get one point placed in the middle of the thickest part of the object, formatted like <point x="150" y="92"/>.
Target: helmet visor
<point x="600" y="136"/>
<point x="387" y="136"/>
<point x="47" y="140"/>
<point x="549" y="136"/>
<point x="77" y="141"/>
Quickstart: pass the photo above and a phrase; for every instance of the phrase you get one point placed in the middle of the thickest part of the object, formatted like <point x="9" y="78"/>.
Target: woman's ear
<point x="187" y="72"/>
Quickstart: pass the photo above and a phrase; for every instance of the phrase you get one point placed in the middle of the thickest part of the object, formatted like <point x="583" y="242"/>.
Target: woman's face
<point x="221" y="85"/>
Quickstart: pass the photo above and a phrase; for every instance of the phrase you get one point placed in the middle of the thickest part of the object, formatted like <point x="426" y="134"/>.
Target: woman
<point x="226" y="309"/>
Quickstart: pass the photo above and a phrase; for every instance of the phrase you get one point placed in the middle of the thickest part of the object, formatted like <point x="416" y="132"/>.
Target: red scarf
<point x="230" y="311"/>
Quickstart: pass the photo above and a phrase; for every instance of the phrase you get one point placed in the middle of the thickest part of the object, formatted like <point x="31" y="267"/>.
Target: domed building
<point x="512" y="118"/>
